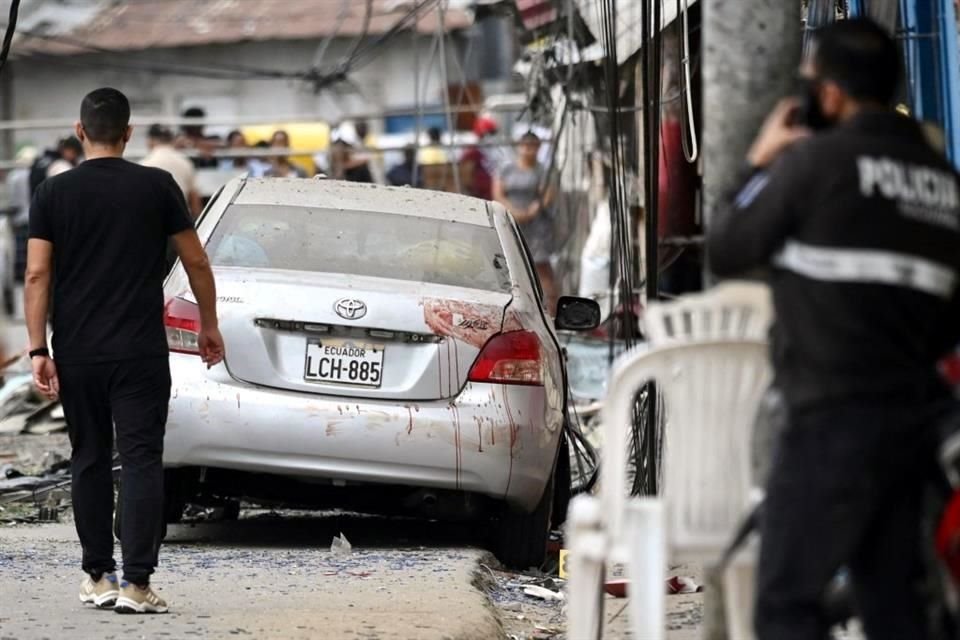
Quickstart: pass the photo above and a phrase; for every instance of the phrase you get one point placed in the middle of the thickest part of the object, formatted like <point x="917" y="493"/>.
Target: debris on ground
<point x="675" y="585"/>
<point x="22" y="408"/>
<point x="543" y="593"/>
<point x="340" y="545"/>
<point x="682" y="584"/>
<point x="35" y="483"/>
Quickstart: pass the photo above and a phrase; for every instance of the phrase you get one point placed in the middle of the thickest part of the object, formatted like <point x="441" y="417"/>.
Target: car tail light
<point x="510" y="358"/>
<point x="182" y="320"/>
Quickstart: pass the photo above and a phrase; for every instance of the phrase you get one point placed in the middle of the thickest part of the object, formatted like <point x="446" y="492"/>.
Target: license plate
<point x="344" y="362"/>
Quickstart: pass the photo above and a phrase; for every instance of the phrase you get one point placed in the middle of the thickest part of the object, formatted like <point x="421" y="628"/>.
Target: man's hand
<point x="777" y="134"/>
<point x="534" y="209"/>
<point x="45" y="377"/>
<point x="210" y="343"/>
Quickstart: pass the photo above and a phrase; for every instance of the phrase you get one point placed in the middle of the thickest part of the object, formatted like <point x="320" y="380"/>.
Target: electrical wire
<point x="362" y="55"/>
<point x="364" y="31"/>
<point x="688" y="133"/>
<point x="325" y="43"/>
<point x="8" y="36"/>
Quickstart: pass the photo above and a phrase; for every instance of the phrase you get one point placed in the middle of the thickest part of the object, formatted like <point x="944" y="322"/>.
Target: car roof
<point x="356" y="196"/>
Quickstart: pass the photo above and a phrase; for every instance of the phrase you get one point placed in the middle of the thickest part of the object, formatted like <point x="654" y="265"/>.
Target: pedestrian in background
<point x="162" y="155"/>
<point x="479" y="160"/>
<point x="526" y="189"/>
<point x="346" y="163"/>
<point x="71" y="154"/>
<point x="192" y="138"/>
<point x="237" y="142"/>
<point x="18" y="183"/>
<point x="434" y="153"/>
<point x="858" y="219"/>
<point x="401" y="175"/>
<point x="97" y="237"/>
<point x="281" y="167"/>
<point x="51" y="162"/>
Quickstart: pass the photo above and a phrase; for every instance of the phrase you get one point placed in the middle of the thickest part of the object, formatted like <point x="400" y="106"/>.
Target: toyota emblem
<point x="350" y="308"/>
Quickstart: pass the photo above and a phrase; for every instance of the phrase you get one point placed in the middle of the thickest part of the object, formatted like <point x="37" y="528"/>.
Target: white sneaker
<point x="103" y="593"/>
<point x="134" y="599"/>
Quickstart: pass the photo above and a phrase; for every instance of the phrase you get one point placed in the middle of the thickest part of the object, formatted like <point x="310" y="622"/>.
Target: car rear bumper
<point x="494" y="440"/>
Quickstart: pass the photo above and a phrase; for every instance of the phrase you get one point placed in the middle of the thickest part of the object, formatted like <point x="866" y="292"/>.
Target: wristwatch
<point x="42" y="352"/>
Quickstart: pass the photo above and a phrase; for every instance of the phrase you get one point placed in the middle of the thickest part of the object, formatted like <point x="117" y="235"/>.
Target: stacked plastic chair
<point x="707" y="355"/>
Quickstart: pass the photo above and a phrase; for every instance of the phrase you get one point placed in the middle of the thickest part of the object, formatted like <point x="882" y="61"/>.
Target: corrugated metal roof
<point x="355" y="196"/>
<point x="142" y="24"/>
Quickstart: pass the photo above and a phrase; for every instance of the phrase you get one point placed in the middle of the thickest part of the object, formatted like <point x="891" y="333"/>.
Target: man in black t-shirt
<point x="98" y="238"/>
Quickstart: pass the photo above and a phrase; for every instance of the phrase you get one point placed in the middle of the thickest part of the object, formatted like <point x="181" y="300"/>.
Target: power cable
<point x="8" y="36"/>
<point x="364" y="31"/>
<point x="325" y="43"/>
<point x="361" y="56"/>
<point x="365" y="53"/>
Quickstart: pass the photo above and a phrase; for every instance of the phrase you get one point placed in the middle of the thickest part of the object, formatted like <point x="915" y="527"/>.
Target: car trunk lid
<point x="303" y="331"/>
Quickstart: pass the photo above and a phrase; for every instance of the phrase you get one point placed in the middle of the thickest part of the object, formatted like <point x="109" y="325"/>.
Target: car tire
<point x="520" y="539"/>
<point x="231" y="510"/>
<point x="563" y="490"/>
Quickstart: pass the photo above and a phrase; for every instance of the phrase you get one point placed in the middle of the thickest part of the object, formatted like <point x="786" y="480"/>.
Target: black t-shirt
<point x="109" y="221"/>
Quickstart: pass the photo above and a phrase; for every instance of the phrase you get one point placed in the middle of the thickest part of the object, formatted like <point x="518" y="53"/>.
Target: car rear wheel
<point x="520" y="539"/>
<point x="562" y="489"/>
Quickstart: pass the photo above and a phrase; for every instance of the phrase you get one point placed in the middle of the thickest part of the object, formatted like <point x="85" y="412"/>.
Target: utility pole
<point x="751" y="50"/>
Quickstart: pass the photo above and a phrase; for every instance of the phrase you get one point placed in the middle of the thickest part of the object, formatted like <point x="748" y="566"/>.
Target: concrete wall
<point x="53" y="88"/>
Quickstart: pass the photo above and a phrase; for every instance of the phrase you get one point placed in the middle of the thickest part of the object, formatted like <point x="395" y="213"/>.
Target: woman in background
<point x="527" y="191"/>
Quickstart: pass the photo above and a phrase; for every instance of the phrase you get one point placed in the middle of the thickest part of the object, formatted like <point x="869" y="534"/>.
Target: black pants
<point x="846" y="489"/>
<point x="133" y="395"/>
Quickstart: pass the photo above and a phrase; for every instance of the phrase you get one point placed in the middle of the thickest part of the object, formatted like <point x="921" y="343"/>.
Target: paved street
<point x="261" y="577"/>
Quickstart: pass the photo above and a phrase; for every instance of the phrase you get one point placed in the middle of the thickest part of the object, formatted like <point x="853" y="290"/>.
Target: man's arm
<point x="754" y="223"/>
<point x="36" y="294"/>
<point x="197" y="265"/>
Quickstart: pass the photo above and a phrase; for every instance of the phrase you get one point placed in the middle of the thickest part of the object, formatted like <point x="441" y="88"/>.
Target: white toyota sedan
<point x="387" y="349"/>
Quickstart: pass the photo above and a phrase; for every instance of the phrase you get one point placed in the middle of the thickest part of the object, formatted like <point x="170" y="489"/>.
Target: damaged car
<point x="387" y="350"/>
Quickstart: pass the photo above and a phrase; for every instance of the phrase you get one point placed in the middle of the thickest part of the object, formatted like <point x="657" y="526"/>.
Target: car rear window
<point x="360" y="243"/>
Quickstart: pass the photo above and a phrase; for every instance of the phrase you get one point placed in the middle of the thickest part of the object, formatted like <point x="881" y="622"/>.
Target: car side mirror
<point x="577" y="314"/>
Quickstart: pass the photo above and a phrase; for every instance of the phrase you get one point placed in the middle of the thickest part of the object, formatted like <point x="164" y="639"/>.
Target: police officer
<point x="858" y="219"/>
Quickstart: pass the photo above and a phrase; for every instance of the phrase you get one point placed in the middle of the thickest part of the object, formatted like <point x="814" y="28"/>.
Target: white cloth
<point x="176" y="164"/>
<point x="57" y="167"/>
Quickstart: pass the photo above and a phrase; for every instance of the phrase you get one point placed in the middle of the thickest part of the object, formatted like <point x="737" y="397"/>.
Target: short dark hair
<point x="193" y="130"/>
<point x="434" y="133"/>
<point x="860" y="56"/>
<point x="105" y="115"/>
<point x="73" y="144"/>
<point x="233" y="134"/>
<point x="160" y="132"/>
<point x="530" y="137"/>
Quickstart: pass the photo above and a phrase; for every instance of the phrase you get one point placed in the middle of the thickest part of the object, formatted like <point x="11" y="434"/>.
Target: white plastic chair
<point x="707" y="353"/>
